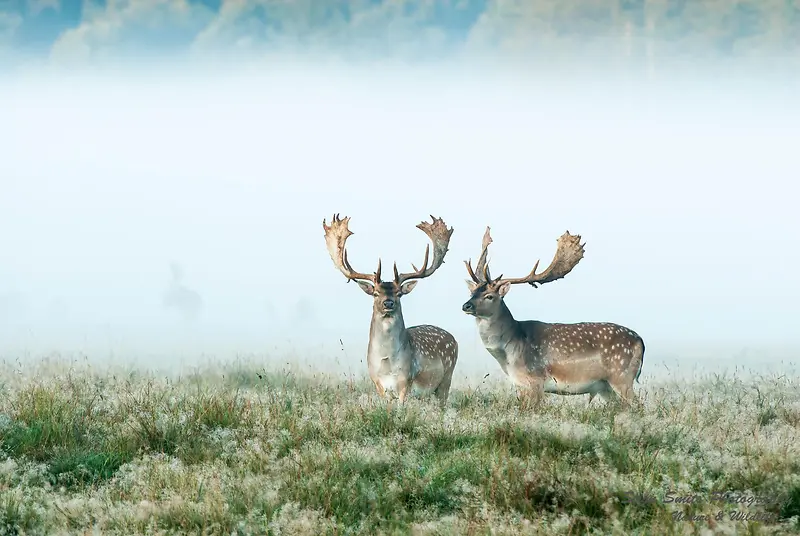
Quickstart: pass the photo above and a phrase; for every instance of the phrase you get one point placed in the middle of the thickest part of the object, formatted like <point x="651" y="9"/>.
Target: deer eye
<point x="488" y="297"/>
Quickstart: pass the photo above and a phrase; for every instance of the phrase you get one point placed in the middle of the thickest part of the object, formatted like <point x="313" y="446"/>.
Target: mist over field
<point x="166" y="167"/>
<point x="112" y="180"/>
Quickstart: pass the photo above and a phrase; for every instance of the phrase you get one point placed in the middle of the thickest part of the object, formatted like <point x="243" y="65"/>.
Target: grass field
<point x="235" y="450"/>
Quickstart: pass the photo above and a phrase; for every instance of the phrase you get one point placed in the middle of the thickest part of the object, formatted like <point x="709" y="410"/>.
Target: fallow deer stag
<point x="420" y="358"/>
<point x="566" y="359"/>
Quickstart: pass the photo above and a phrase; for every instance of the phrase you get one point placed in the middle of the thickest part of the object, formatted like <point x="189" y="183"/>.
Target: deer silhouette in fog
<point x="180" y="297"/>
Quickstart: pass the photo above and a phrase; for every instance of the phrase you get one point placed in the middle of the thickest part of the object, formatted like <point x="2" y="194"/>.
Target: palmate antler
<point x="337" y="233"/>
<point x="440" y="237"/>
<point x="568" y="254"/>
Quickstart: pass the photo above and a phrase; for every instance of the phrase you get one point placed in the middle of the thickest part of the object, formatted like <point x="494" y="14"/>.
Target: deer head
<point x="386" y="294"/>
<point x="487" y="293"/>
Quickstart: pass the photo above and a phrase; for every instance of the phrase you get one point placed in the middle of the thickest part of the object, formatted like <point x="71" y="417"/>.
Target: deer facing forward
<point x="565" y="359"/>
<point x="419" y="359"/>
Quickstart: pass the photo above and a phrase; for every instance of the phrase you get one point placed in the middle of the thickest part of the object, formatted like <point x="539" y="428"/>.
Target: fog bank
<point x="158" y="219"/>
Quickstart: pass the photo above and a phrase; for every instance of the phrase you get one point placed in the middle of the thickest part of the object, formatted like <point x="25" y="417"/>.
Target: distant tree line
<point x="632" y="32"/>
<point x="647" y="32"/>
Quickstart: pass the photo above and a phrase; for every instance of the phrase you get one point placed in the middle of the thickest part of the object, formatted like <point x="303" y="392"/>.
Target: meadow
<point x="237" y="449"/>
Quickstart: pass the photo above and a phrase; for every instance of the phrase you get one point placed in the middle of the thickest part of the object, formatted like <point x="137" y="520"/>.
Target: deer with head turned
<point x="419" y="359"/>
<point x="538" y="357"/>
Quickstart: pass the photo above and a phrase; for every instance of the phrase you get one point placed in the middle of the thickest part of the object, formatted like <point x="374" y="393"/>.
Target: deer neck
<point x="388" y="339"/>
<point x="497" y="332"/>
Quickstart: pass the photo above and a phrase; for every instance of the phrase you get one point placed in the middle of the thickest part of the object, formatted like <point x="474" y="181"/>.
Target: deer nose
<point x="388" y="304"/>
<point x="467" y="306"/>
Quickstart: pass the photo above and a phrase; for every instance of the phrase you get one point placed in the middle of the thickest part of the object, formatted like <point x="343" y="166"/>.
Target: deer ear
<point x="408" y="286"/>
<point x="368" y="288"/>
<point x="471" y="285"/>
<point x="503" y="289"/>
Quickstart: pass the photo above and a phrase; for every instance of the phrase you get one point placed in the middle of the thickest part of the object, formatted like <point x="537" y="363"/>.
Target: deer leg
<point x="605" y="393"/>
<point x="443" y="390"/>
<point x="379" y="387"/>
<point x="532" y="395"/>
<point x="402" y="392"/>
<point x="624" y="391"/>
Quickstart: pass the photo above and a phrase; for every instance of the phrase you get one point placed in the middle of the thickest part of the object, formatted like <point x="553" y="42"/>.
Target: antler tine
<point x="336" y="235"/>
<point x="439" y="235"/>
<point x="568" y="254"/>
<point x="481" y="272"/>
<point x="482" y="265"/>
<point x="471" y="271"/>
<point x="487" y="276"/>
